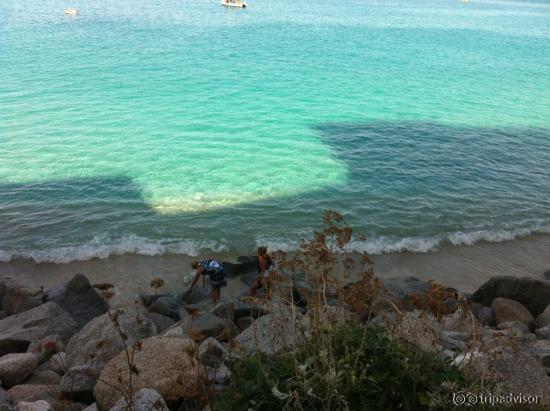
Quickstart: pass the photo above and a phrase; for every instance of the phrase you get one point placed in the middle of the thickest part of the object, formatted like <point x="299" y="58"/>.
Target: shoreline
<point x="463" y="267"/>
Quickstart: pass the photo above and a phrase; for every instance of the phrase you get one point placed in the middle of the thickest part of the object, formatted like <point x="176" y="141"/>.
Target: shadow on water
<point x="400" y="174"/>
<point x="413" y="151"/>
<point x="72" y="207"/>
<point x="447" y="172"/>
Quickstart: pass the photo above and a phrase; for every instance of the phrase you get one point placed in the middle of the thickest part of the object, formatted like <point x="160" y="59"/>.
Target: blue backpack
<point x="214" y="270"/>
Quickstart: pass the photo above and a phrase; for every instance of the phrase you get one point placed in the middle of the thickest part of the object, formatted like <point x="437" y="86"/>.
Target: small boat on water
<point x="234" y="3"/>
<point x="71" y="11"/>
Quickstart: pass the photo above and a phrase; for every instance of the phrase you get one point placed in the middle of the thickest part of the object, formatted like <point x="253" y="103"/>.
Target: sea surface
<point x="180" y="126"/>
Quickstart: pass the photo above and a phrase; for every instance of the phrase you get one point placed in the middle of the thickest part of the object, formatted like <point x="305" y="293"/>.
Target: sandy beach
<point x="461" y="267"/>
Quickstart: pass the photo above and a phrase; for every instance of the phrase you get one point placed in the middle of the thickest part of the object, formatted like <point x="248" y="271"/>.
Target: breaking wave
<point x="386" y="244"/>
<point x="101" y="247"/>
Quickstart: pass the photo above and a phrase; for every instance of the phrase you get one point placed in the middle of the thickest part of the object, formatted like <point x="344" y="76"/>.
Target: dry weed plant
<point x="126" y="389"/>
<point x="156" y="284"/>
<point x="324" y="273"/>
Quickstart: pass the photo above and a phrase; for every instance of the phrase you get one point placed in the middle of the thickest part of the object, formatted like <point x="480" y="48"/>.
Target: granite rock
<point x="43" y="378"/>
<point x="148" y="299"/>
<point x="505" y="309"/>
<point x="16" y="368"/>
<point x="521" y="373"/>
<point x="168" y="306"/>
<point x="99" y="341"/>
<point x="79" y="299"/>
<point x="19" y="298"/>
<point x="18" y="331"/>
<point x="273" y="333"/>
<point x="161" y="321"/>
<point x="166" y="365"/>
<point x="144" y="399"/>
<point x="533" y="294"/>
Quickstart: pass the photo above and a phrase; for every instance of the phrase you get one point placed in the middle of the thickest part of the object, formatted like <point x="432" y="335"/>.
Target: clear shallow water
<point x="154" y="127"/>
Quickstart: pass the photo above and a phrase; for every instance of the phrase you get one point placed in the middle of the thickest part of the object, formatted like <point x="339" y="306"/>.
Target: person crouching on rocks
<point x="263" y="280"/>
<point x="214" y="270"/>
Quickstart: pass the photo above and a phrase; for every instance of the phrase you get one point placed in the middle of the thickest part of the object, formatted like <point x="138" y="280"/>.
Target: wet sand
<point x="461" y="267"/>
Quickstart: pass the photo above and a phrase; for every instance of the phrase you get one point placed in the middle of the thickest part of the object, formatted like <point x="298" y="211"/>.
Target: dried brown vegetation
<point x="156" y="284"/>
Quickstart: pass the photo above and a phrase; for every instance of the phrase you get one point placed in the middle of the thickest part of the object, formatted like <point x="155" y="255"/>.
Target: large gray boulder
<point x="224" y="309"/>
<point x="17" y="298"/>
<point x="205" y="324"/>
<point x="99" y="340"/>
<point x="79" y="299"/>
<point x="145" y="399"/>
<point x="15" y="368"/>
<point x="167" y="365"/>
<point x="168" y="306"/>
<point x="505" y="310"/>
<point x="161" y="321"/>
<point x="521" y="373"/>
<point x="404" y="292"/>
<point x="18" y="331"/>
<point x="148" y="299"/>
<point x="43" y="378"/>
<point x="533" y="294"/>
<point x="273" y="333"/>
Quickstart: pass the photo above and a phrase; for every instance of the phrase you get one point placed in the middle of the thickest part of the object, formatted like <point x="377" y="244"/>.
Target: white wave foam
<point x="497" y="236"/>
<point x="101" y="247"/>
<point x="384" y="244"/>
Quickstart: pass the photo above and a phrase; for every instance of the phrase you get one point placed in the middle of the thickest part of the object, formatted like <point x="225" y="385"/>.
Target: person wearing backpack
<point x="263" y="280"/>
<point x="215" y="272"/>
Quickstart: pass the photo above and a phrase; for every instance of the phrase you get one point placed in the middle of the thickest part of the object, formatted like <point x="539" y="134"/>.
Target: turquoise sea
<point x="180" y="126"/>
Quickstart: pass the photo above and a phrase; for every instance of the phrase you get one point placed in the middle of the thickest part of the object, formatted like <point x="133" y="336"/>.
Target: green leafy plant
<point x="348" y="367"/>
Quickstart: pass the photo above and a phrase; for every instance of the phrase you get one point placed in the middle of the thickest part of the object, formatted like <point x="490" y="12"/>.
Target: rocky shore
<point x="65" y="348"/>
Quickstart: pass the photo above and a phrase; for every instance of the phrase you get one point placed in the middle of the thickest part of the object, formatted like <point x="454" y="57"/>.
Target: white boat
<point x="234" y="3"/>
<point x="71" y="11"/>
